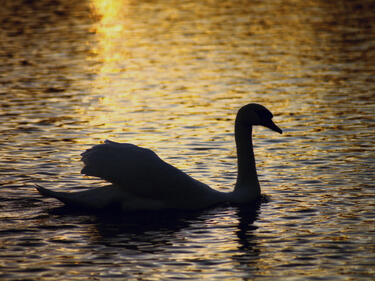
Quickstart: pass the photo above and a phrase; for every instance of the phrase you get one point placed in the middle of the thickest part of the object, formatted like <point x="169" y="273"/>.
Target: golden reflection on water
<point x="172" y="53"/>
<point x="170" y="60"/>
<point x="111" y="27"/>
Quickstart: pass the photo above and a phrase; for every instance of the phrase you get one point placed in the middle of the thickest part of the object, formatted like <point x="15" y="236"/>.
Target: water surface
<point x="170" y="75"/>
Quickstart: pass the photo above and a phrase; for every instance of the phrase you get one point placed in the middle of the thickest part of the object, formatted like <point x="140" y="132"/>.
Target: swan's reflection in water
<point x="171" y="238"/>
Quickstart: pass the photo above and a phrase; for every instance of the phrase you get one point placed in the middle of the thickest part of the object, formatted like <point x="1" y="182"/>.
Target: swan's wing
<point x="138" y="171"/>
<point x="119" y="163"/>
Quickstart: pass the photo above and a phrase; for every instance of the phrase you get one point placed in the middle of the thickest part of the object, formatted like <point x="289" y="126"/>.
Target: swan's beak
<point x="273" y="126"/>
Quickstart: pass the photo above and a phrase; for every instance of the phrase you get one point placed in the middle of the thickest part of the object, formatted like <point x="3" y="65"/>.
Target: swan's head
<point x="256" y="114"/>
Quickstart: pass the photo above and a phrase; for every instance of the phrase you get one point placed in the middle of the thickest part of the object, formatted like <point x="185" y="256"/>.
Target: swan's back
<point x="140" y="172"/>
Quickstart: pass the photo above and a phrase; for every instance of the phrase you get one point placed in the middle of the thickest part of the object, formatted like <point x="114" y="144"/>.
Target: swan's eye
<point x="267" y="115"/>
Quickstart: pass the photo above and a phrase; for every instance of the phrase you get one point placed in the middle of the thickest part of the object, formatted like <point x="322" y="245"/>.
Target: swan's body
<point x="142" y="181"/>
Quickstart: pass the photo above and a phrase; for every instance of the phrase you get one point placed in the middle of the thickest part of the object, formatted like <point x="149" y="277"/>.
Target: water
<point x="170" y="75"/>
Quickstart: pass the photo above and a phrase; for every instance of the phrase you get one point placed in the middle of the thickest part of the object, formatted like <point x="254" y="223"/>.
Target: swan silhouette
<point x="140" y="180"/>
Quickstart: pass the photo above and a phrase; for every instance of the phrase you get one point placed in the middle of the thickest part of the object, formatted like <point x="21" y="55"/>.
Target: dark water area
<point x="170" y="76"/>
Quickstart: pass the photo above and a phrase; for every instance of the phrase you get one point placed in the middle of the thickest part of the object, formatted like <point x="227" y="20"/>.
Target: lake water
<point x="170" y="75"/>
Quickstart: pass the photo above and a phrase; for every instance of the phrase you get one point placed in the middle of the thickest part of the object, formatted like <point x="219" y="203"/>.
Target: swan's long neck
<point x="247" y="179"/>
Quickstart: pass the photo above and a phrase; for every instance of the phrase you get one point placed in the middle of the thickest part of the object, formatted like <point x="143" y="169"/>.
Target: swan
<point x="140" y="180"/>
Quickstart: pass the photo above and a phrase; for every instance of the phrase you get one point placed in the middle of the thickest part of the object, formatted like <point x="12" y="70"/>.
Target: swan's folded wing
<point x="137" y="170"/>
<point x="119" y="163"/>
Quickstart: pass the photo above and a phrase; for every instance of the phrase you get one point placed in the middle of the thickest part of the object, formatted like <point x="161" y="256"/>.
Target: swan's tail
<point x="65" y="197"/>
<point x="97" y="198"/>
<point x="44" y="191"/>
